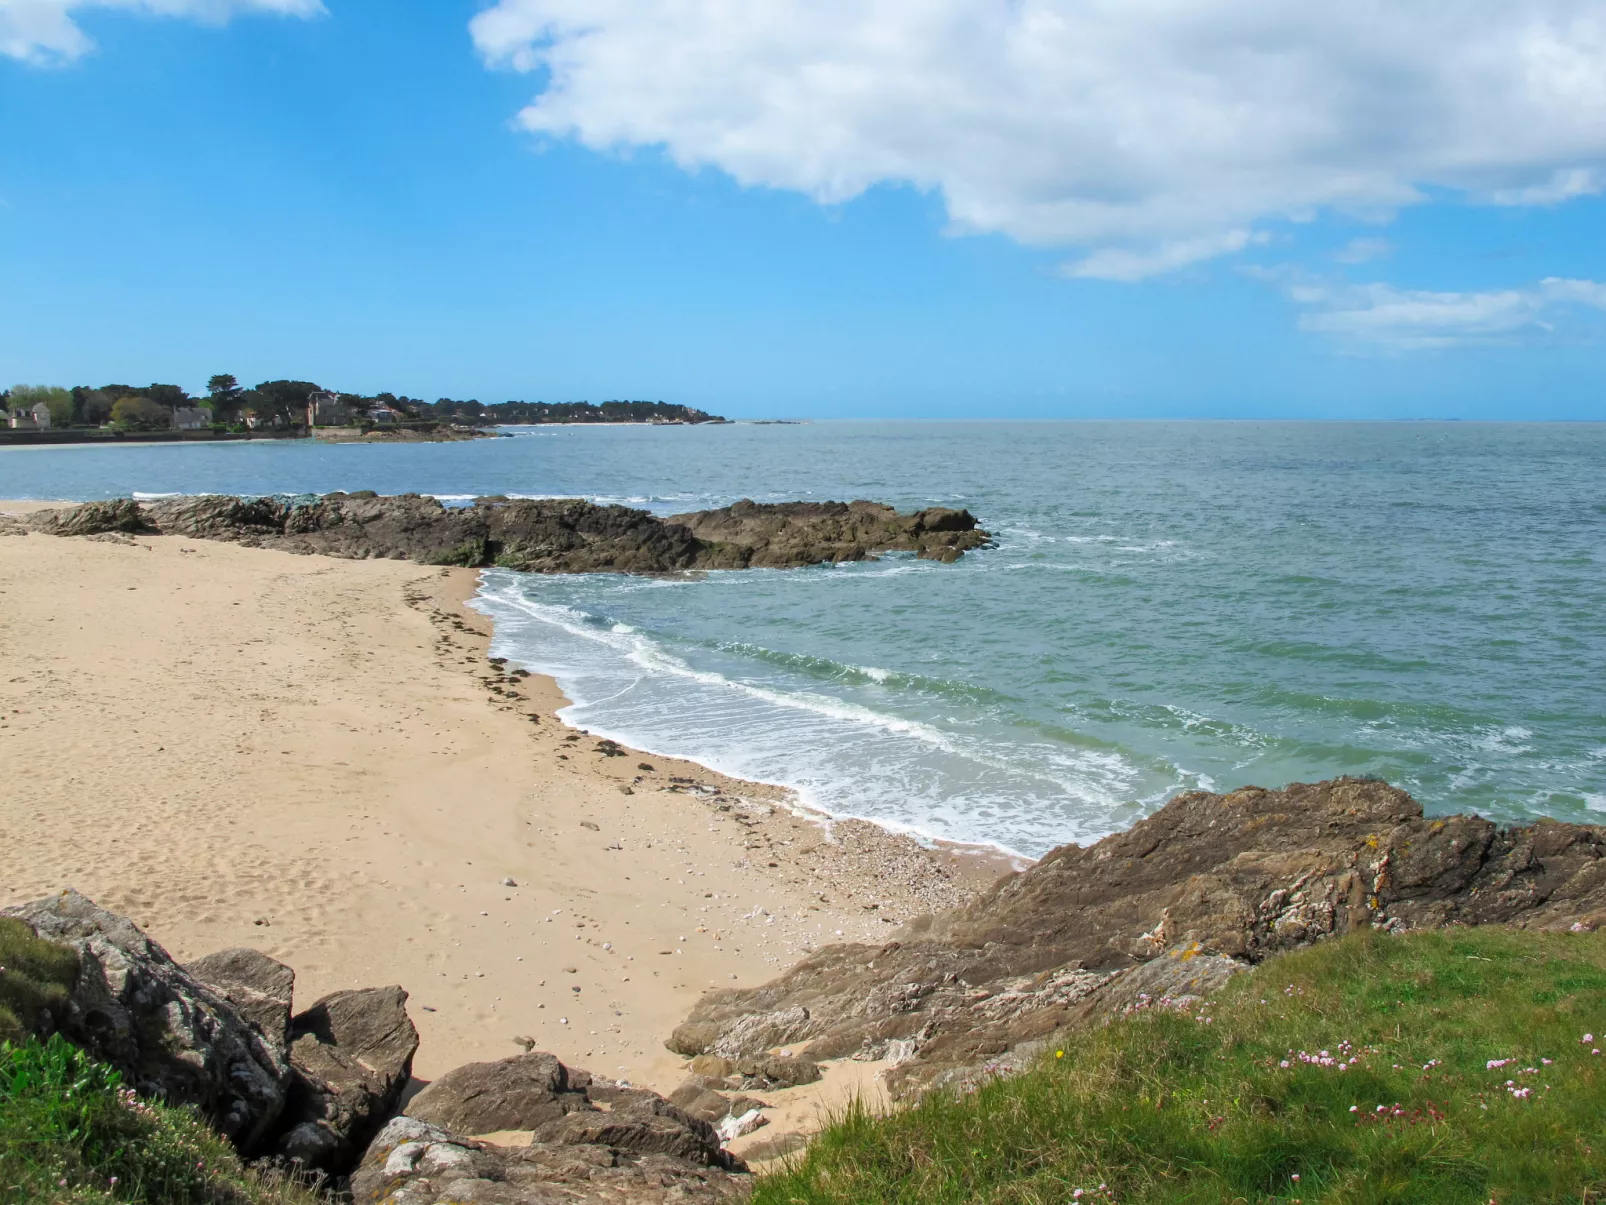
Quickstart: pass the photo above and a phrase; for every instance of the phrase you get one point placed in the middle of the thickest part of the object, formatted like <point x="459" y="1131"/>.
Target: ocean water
<point x="1168" y="606"/>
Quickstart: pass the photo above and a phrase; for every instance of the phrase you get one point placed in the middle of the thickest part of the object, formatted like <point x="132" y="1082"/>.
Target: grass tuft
<point x="1459" y="1067"/>
<point x="71" y="1134"/>
<point x="35" y="978"/>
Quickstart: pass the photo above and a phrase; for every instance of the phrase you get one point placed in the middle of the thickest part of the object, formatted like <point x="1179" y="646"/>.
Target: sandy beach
<point x="313" y="757"/>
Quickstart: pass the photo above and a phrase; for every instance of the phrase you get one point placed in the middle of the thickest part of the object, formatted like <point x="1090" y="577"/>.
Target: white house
<point x="37" y="419"/>
<point x="383" y="415"/>
<point x="191" y="418"/>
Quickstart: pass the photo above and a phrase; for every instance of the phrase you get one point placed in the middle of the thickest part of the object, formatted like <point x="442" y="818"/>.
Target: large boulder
<point x="351" y="1054"/>
<point x="412" y="1162"/>
<point x="260" y="988"/>
<point x="172" y="1037"/>
<point x="519" y="1093"/>
<point x="1207" y="885"/>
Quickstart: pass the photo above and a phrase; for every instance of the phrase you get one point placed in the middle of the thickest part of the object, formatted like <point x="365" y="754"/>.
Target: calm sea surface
<point x="1170" y="605"/>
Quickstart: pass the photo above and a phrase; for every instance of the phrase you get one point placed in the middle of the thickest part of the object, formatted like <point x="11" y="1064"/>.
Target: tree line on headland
<point x="283" y="405"/>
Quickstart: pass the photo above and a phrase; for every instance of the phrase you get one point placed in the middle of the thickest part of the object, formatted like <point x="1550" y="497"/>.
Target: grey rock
<point x="562" y="1105"/>
<point x="697" y="1097"/>
<point x="351" y="1055"/>
<point x="519" y="1093"/>
<point x="642" y="1123"/>
<point x="260" y="988"/>
<point x="172" y="1037"/>
<point x="411" y="1162"/>
<point x="785" y="1071"/>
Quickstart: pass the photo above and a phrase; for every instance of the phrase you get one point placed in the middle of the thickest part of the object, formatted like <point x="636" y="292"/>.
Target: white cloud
<point x="1148" y="133"/>
<point x="1364" y="250"/>
<point x="1561" y="186"/>
<point x="1127" y="264"/>
<point x="44" y="31"/>
<point x="1419" y="319"/>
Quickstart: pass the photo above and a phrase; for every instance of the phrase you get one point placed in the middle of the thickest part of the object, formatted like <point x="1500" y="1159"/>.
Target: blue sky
<point x="897" y="207"/>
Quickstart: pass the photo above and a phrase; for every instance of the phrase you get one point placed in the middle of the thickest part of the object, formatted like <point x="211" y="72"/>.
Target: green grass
<point x="1166" y="1107"/>
<point x="71" y="1134"/>
<point x="35" y="977"/>
<point x="470" y="554"/>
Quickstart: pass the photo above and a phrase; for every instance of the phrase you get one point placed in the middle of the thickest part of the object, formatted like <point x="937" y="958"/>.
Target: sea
<point x="1167" y="606"/>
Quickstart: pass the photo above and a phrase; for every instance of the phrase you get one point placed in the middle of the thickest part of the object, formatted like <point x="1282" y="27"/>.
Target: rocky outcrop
<point x="1172" y="907"/>
<point x="539" y="535"/>
<point x="172" y="1037"/>
<point x="351" y="1055"/>
<point x="214" y="1034"/>
<point x="591" y="1139"/>
<point x="260" y="988"/>
<point x="92" y="518"/>
<point x="218" y="1034"/>
<point x="563" y="1105"/>
<point x="414" y="1163"/>
<point x="781" y="535"/>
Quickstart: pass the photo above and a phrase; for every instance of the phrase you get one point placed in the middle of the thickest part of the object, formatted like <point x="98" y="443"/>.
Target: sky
<point x="816" y="208"/>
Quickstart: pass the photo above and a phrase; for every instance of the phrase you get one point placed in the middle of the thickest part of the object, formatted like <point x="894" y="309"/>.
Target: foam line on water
<point x="843" y="759"/>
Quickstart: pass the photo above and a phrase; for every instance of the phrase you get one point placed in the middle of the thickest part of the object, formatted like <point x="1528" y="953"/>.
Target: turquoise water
<point x="1170" y="605"/>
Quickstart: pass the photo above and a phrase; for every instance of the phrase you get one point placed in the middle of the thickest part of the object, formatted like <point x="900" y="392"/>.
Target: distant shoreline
<point x="69" y="435"/>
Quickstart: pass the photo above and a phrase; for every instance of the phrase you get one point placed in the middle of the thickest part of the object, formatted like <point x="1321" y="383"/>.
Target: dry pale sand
<point x="307" y="756"/>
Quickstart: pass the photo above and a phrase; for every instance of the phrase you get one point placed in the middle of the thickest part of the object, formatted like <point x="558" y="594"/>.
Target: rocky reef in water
<point x="560" y="535"/>
<point x="1205" y="888"/>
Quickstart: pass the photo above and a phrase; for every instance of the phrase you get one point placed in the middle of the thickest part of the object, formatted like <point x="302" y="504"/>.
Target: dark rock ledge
<point x="541" y="535"/>
<point x="1206" y="887"/>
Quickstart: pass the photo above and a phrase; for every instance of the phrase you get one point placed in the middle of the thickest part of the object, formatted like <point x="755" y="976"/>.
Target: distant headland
<point x="288" y="410"/>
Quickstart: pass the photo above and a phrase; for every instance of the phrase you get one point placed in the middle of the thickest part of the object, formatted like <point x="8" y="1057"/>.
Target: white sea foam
<point x="843" y="758"/>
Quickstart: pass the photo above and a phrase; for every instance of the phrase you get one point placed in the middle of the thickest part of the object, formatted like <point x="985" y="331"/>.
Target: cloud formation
<point x="44" y="31"/>
<point x="1380" y="315"/>
<point x="1148" y="133"/>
